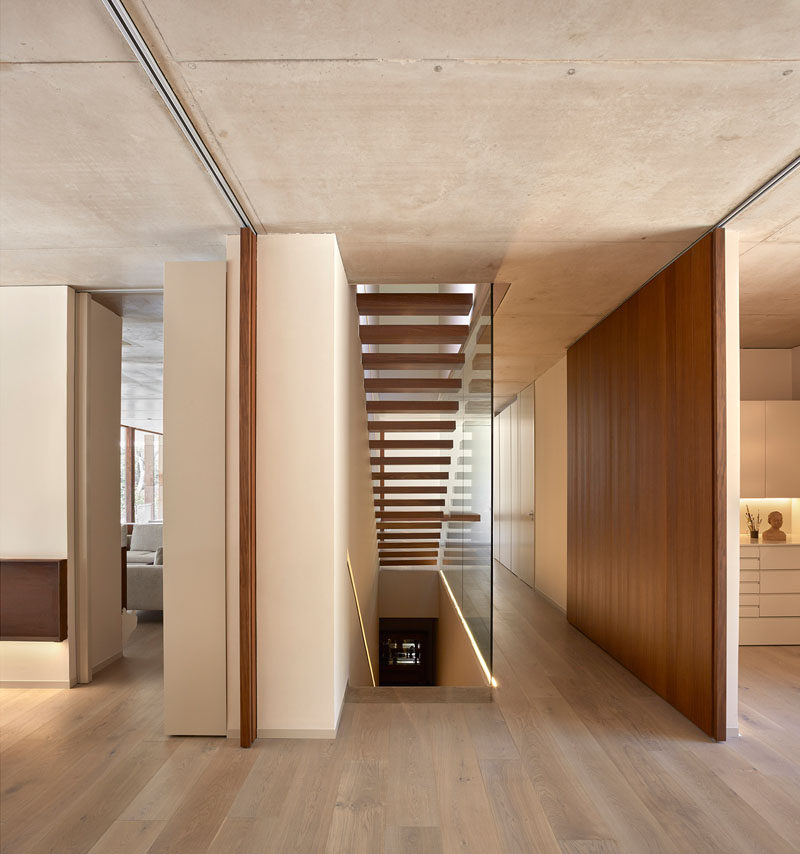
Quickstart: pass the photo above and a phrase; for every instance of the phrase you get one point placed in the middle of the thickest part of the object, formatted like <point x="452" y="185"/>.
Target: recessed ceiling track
<point x="143" y="53"/>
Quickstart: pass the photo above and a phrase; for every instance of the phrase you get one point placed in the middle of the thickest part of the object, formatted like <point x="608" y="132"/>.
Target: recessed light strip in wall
<point x="143" y="53"/>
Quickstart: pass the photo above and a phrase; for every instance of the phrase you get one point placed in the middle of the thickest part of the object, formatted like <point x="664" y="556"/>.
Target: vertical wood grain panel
<point x="247" y="488"/>
<point x="646" y="473"/>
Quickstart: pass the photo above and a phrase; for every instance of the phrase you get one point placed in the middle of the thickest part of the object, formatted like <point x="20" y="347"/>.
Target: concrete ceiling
<point x="571" y="150"/>
<point x="769" y="267"/>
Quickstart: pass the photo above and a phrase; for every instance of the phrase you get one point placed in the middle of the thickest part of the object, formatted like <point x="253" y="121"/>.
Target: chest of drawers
<point x="769" y="595"/>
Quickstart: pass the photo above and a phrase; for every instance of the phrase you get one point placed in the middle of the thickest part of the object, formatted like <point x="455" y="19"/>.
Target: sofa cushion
<point x="147" y="538"/>
<point x="141" y="557"/>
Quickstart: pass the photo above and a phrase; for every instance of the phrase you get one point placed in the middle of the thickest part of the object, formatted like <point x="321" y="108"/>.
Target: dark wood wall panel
<point x="33" y="600"/>
<point x="248" y="312"/>
<point x="646" y="505"/>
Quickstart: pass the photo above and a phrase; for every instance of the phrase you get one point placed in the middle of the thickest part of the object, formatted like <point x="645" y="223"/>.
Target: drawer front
<point x="779" y="605"/>
<point x="749" y="587"/>
<point x="749" y="575"/>
<point x="748" y="611"/>
<point x="749" y="563"/>
<point x="780" y="557"/>
<point x="748" y="599"/>
<point x="748" y="551"/>
<point x="776" y="630"/>
<point x="780" y="581"/>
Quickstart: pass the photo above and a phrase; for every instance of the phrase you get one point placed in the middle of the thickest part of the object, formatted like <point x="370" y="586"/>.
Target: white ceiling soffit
<point x="570" y="151"/>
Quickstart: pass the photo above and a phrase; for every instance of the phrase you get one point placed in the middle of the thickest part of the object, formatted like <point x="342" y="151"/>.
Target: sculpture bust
<point x="774" y="534"/>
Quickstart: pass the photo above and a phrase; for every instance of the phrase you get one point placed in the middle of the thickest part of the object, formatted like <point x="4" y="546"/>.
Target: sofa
<point x="145" y="567"/>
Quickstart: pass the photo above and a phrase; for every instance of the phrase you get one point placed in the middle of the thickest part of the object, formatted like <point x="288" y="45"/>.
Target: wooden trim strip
<point x="248" y="712"/>
<point x="720" y="489"/>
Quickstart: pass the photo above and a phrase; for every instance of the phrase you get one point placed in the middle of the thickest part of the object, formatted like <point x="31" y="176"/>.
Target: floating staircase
<point x="427" y="374"/>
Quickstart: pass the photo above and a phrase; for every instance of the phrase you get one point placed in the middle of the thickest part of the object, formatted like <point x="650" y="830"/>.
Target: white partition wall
<point x="36" y="458"/>
<point x="194" y="498"/>
<point x="97" y="496"/>
<point x="314" y="487"/>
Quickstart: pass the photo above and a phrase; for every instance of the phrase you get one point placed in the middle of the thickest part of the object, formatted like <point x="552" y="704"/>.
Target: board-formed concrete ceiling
<point x="570" y="150"/>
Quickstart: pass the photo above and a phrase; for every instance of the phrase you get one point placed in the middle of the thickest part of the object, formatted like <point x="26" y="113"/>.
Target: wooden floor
<point x="575" y="755"/>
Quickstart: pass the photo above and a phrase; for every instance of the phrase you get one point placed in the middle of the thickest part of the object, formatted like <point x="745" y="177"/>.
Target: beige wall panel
<point x="752" y="449"/>
<point x="194" y="498"/>
<point x="36" y="454"/>
<point x="766" y="374"/>
<point x="409" y="593"/>
<point x="98" y="479"/>
<point x="295" y="485"/>
<point x="782" y="454"/>
<point x="354" y="532"/>
<point x="551" y="484"/>
<point x="456" y="662"/>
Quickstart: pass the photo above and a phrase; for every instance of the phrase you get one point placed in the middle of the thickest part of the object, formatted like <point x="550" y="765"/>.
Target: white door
<point x="523" y="527"/>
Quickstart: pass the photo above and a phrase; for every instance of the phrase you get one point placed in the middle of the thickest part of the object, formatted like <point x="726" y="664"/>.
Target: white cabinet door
<point x="753" y="427"/>
<point x="782" y="449"/>
<point x="513" y="509"/>
<point x="504" y="497"/>
<point x="496" y="488"/>
<point x="522" y="535"/>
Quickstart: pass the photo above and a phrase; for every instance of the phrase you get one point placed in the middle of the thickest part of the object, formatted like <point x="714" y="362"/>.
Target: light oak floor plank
<point x="574" y="754"/>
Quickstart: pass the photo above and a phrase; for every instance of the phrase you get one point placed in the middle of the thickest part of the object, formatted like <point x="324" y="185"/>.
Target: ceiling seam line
<point x="161" y="84"/>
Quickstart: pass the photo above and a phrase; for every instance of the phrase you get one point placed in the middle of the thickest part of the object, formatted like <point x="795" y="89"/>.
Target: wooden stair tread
<point x="411" y="361"/>
<point x="410" y="502"/>
<point x="411" y="475"/>
<point x="375" y="426"/>
<point x="412" y="406"/>
<point x="413" y="333"/>
<point x="420" y="516"/>
<point x="410" y="562"/>
<point x="409" y="461"/>
<point x="388" y="553"/>
<point x="400" y="384"/>
<point x="411" y="444"/>
<point x="408" y="490"/>
<point x="419" y="305"/>
<point x="383" y="544"/>
<point x="408" y="525"/>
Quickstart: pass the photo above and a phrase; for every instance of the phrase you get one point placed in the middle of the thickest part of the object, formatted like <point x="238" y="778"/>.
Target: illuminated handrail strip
<point x="361" y="621"/>
<point x="476" y="649"/>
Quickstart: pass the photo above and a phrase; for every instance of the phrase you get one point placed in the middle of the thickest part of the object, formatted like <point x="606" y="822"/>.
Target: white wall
<point x="194" y="498"/>
<point x="733" y="394"/>
<point x="36" y="455"/>
<point x="97" y="510"/>
<point x="550" y="469"/>
<point x="232" y="482"/>
<point x="767" y="374"/>
<point x="354" y="531"/>
<point x="309" y="507"/>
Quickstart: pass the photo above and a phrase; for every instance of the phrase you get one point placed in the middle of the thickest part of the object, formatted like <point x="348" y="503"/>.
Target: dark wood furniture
<point x="33" y="600"/>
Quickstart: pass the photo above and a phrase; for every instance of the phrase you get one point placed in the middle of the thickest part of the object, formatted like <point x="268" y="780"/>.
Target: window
<point x="141" y="475"/>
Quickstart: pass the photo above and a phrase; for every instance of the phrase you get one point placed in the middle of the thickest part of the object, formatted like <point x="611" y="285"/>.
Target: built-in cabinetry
<point x="769" y="595"/>
<point x="513" y="486"/>
<point x="770" y="448"/>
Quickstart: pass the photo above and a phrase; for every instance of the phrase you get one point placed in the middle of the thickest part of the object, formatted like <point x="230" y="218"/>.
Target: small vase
<point x="753" y="535"/>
